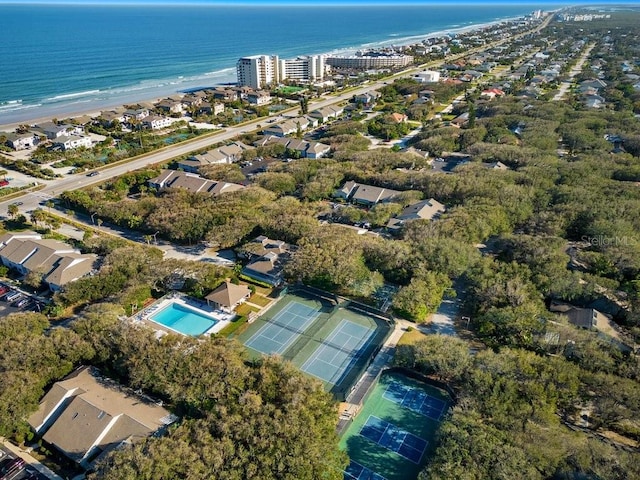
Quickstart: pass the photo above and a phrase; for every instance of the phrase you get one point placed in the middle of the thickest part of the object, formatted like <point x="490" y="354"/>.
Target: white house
<point x="427" y="76"/>
<point x="71" y="142"/>
<point x="156" y="122"/>
<point x="21" y="141"/>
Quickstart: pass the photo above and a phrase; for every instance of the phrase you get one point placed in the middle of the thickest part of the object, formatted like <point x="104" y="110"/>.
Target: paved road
<point x="564" y="86"/>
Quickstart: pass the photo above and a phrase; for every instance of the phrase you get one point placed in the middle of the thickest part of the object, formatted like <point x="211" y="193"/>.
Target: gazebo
<point x="228" y="296"/>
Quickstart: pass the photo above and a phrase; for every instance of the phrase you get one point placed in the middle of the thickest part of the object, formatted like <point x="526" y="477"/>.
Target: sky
<point x="322" y="2"/>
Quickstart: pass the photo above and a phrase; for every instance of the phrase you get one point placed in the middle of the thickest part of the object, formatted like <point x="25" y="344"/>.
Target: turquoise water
<point x="72" y="58"/>
<point x="183" y="320"/>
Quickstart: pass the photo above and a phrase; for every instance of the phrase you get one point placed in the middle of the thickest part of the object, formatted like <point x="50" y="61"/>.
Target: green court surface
<point x="329" y="342"/>
<point x="393" y="434"/>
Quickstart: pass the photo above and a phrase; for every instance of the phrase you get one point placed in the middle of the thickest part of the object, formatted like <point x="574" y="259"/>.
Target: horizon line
<point x="333" y="3"/>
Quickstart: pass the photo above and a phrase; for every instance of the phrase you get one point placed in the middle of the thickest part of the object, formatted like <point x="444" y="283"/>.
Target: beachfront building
<point x="370" y="61"/>
<point x="258" y="71"/>
<point x="305" y="69"/>
<point x="427" y="76"/>
<point x="21" y="141"/>
<point x="70" y="142"/>
<point x="156" y="122"/>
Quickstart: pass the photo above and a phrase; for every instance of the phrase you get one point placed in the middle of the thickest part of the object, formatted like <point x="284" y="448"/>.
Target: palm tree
<point x="13" y="210"/>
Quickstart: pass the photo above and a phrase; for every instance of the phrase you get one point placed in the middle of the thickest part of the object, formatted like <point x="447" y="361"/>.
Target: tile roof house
<point x="192" y="182"/>
<point x="365" y="194"/>
<point x="228" y="296"/>
<point x="86" y="415"/>
<point x="54" y="130"/>
<point x="58" y="262"/>
<point x="70" y="142"/>
<point x="422" y="210"/>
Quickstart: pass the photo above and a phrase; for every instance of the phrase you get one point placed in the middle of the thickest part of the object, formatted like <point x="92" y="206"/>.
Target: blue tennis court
<point x="283" y="329"/>
<point x="341" y="348"/>
<point x="415" y="400"/>
<point x="393" y="438"/>
<point x="355" y="471"/>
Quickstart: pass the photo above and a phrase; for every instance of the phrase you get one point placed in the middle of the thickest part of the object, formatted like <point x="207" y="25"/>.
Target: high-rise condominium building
<point x="258" y="71"/>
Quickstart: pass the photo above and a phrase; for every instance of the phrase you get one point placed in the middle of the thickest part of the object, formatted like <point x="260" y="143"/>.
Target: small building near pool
<point x="228" y="296"/>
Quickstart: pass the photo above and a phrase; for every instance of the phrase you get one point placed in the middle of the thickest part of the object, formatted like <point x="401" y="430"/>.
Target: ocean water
<point x="58" y="59"/>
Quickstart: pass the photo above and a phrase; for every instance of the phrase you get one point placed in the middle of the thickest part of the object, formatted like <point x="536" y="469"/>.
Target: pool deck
<point x="221" y="318"/>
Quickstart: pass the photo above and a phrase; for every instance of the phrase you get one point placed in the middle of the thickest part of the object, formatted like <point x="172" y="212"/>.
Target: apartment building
<point x="258" y="71"/>
<point x="305" y="69"/>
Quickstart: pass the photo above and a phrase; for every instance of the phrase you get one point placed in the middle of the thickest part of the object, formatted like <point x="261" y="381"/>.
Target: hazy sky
<point x="321" y="2"/>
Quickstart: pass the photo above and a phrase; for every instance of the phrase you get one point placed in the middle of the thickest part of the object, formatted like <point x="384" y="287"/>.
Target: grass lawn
<point x="412" y="337"/>
<point x="259" y="300"/>
<point x="245" y="309"/>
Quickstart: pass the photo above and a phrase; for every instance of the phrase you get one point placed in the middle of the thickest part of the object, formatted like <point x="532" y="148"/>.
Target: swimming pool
<point x="183" y="319"/>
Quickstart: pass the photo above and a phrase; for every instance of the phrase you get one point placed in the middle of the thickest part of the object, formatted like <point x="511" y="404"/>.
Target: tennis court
<point x="355" y="471"/>
<point x="342" y="348"/>
<point x="415" y="400"/>
<point x="283" y="329"/>
<point x="387" y="438"/>
<point x="329" y="341"/>
<point x="393" y="438"/>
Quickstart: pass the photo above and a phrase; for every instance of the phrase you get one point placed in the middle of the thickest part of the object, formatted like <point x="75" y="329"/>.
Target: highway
<point x="31" y="201"/>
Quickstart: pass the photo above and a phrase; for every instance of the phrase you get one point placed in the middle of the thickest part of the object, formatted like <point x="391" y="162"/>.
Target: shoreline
<point x="71" y="112"/>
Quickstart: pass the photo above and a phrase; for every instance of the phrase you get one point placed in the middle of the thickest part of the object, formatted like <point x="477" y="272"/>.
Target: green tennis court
<point x="393" y="435"/>
<point x="329" y="342"/>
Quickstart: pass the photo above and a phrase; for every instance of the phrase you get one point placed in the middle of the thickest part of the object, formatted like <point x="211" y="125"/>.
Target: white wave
<point x="71" y="95"/>
<point x="10" y="102"/>
<point x="17" y="107"/>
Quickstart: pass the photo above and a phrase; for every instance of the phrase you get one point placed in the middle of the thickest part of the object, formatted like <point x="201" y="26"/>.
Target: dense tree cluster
<point x="240" y="419"/>
<point x="510" y="417"/>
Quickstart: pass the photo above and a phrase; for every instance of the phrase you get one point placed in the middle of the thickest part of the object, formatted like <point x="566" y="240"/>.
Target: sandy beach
<point x="69" y="112"/>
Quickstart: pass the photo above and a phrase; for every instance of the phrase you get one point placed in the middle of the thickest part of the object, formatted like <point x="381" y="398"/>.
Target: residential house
<point x="21" y="141"/>
<point x="110" y="117"/>
<point x="422" y="210"/>
<point x="228" y="296"/>
<point x="325" y="114"/>
<point x="225" y="94"/>
<point x="288" y="127"/>
<point x="193" y="183"/>
<point x="170" y="105"/>
<point x="427" y="76"/>
<point x="156" y="122"/>
<point x="58" y="262"/>
<point x="135" y="114"/>
<point x="398" y="117"/>
<point x="594" y="101"/>
<point x="267" y="259"/>
<point x="492" y="93"/>
<point x="366" y="99"/>
<point x="54" y="130"/>
<point x="260" y="97"/>
<point x="365" y="194"/>
<point x="302" y="148"/>
<point x="86" y="415"/>
<point x="496" y="166"/>
<point x="71" y="142"/>
<point x="595" y="83"/>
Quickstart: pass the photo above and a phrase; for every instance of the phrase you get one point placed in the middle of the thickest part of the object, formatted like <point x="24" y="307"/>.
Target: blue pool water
<point x="182" y="319"/>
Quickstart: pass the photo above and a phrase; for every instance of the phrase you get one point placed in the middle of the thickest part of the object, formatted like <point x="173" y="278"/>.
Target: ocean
<point x="61" y="59"/>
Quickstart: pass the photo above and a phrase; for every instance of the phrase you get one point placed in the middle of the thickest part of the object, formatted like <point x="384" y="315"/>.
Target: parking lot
<point x="12" y="300"/>
<point x="24" y="472"/>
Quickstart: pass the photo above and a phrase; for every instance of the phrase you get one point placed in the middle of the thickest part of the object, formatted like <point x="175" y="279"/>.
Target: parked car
<point x="12" y="296"/>
<point x="22" y="303"/>
<point x="11" y="468"/>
